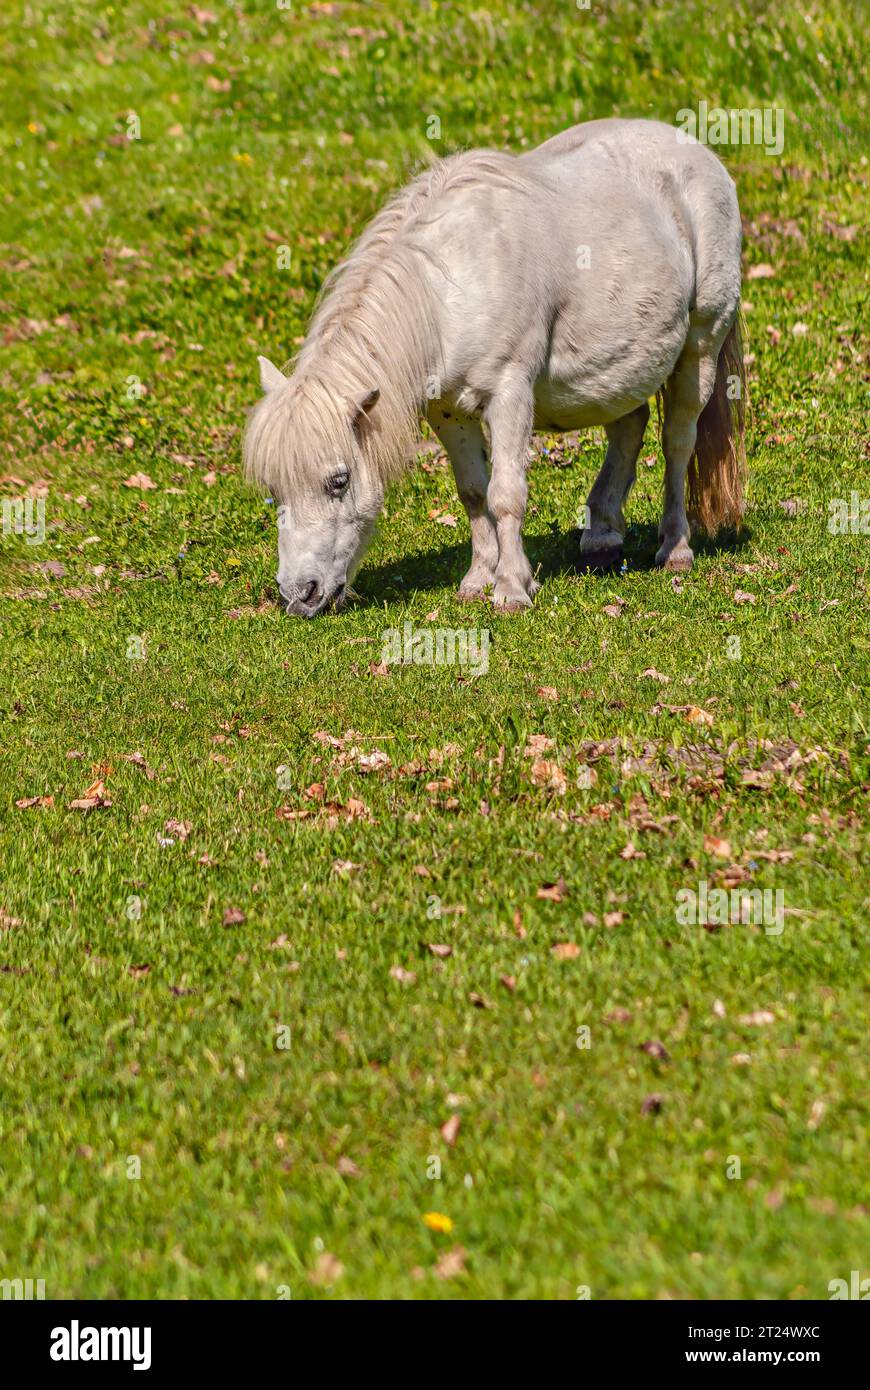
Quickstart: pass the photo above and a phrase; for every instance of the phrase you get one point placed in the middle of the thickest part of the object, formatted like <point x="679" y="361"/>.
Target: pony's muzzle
<point x="308" y="599"/>
<point x="303" y="600"/>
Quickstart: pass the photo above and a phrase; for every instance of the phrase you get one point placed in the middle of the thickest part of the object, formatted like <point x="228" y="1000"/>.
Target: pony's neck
<point x="375" y="329"/>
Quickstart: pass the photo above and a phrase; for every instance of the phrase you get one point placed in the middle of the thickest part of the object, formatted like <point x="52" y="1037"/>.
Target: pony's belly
<point x="569" y="405"/>
<point x="608" y="378"/>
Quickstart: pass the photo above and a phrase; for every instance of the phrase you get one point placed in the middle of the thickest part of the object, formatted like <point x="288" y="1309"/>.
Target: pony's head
<point x="310" y="447"/>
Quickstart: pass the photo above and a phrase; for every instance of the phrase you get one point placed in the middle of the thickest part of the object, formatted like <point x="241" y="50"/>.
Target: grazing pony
<point x="500" y="293"/>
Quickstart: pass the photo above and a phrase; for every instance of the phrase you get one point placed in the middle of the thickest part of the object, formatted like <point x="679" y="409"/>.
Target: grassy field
<point x="229" y="1055"/>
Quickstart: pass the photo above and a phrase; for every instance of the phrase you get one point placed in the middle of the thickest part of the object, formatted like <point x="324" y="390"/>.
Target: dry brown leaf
<point x="377" y="761"/>
<point x="329" y="813"/>
<point x="629" y="852"/>
<point x="758" y="1019"/>
<point x="450" y="1130"/>
<point x="554" y="892"/>
<point x="698" y="716"/>
<point x="344" y="866"/>
<point x="565" y="950"/>
<point x="451" y="1264"/>
<point x="327" y="1270"/>
<point x="139" y="761"/>
<point x="817" y="1112"/>
<point x="537" y="744"/>
<point x="441" y="517"/>
<point x="549" y="775"/>
<point x="95" y="796"/>
<point x="721" y="849"/>
<point x="753" y="777"/>
<point x="842" y="233"/>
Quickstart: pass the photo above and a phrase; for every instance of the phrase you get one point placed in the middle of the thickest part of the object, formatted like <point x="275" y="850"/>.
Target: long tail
<point x="718" y="465"/>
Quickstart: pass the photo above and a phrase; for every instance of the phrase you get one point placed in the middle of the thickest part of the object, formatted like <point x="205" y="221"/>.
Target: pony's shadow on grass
<point x="551" y="556"/>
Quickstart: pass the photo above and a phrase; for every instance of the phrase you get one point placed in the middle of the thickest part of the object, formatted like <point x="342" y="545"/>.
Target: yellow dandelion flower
<point x="437" y="1221"/>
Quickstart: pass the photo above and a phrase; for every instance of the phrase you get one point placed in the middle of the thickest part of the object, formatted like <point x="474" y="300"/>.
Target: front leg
<point x="509" y="417"/>
<point x="463" y="439"/>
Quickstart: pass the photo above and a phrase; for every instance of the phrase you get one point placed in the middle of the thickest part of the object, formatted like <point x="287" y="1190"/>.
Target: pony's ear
<point x="361" y="408"/>
<point x="270" y="377"/>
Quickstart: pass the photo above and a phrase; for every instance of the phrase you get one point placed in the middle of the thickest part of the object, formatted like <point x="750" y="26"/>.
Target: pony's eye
<point x="337" y="484"/>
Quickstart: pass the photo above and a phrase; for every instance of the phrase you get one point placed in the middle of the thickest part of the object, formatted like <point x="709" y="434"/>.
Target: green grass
<point x="156" y="1036"/>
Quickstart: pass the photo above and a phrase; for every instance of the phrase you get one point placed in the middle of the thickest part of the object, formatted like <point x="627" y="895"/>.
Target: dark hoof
<point x="676" y="561"/>
<point x="599" y="561"/>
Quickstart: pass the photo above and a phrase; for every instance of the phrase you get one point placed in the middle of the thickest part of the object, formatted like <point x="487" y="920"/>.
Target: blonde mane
<point x="373" y="326"/>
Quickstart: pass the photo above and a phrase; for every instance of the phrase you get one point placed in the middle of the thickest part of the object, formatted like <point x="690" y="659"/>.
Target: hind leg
<point x="601" y="542"/>
<point x="686" y="392"/>
<point x="463" y="439"/>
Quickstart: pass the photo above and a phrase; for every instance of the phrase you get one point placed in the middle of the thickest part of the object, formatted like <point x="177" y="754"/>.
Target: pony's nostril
<point x="308" y="591"/>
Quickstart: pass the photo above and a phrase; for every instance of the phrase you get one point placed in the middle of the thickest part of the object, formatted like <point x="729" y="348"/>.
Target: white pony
<point x="496" y="293"/>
